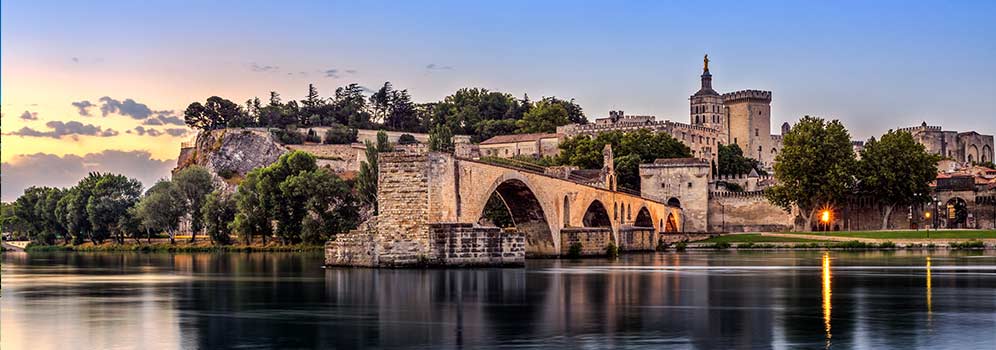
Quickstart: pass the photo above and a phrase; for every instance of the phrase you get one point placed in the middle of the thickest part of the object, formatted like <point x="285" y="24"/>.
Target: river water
<point x="865" y="300"/>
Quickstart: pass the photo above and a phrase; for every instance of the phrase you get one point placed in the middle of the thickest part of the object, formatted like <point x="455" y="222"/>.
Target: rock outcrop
<point x="230" y="154"/>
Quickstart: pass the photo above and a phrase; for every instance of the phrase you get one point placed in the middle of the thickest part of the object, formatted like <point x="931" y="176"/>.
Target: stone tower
<point x="706" y="104"/>
<point x="749" y="123"/>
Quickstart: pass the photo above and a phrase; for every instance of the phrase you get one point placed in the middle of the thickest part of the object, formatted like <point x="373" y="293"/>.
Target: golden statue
<point x="705" y="63"/>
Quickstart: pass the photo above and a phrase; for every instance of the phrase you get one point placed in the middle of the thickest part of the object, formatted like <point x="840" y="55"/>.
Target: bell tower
<point x="706" y="105"/>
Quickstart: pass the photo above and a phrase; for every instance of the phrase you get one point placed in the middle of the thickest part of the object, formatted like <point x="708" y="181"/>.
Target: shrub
<point x="339" y="134"/>
<point x="612" y="250"/>
<point x="312" y="137"/>
<point x="973" y="244"/>
<point x="931" y="246"/>
<point x="574" y="251"/>
<point x="226" y="173"/>
<point x="721" y="245"/>
<point x="407" y="139"/>
<point x="680" y="246"/>
<point x="745" y="245"/>
<point x="887" y="245"/>
<point x="852" y="245"/>
<point x="661" y="245"/>
<point x="287" y="137"/>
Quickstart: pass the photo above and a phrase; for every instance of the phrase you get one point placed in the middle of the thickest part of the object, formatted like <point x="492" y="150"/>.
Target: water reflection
<point x="827" y="293"/>
<point x="703" y="300"/>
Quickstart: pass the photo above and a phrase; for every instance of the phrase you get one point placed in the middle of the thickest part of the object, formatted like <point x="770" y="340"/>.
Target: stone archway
<point x="671" y="225"/>
<point x="987" y="154"/>
<point x="972" y="153"/>
<point x="527" y="215"/>
<point x="643" y="218"/>
<point x="596" y="215"/>
<point x="956" y="213"/>
<point x="674" y="202"/>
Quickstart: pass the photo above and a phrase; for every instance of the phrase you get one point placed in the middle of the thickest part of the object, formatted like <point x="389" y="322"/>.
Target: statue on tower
<point x="705" y="63"/>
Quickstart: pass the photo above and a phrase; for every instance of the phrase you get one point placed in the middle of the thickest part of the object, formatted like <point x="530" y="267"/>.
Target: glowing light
<point x="929" y="293"/>
<point x="826" y="297"/>
<point x="926" y="215"/>
<point x="825" y="216"/>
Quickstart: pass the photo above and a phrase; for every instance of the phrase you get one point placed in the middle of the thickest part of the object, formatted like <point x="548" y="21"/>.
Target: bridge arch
<point x="528" y="213"/>
<point x="596" y="215"/>
<point x="671" y="224"/>
<point x="643" y="218"/>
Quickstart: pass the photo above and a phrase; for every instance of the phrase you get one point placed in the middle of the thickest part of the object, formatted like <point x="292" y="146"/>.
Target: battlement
<point x="923" y="127"/>
<point x="747" y="95"/>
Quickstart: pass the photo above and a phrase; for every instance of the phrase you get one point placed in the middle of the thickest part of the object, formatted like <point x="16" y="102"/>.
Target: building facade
<point x="963" y="147"/>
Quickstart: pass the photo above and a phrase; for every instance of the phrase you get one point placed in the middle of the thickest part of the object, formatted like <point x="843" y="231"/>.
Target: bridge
<point x="431" y="210"/>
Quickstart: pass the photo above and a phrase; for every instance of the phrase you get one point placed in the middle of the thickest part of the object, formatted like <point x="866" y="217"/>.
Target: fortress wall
<point x="593" y="240"/>
<point x="402" y="236"/>
<point x="341" y="158"/>
<point x="462" y="244"/>
<point x="634" y="239"/>
<point x="747" y="212"/>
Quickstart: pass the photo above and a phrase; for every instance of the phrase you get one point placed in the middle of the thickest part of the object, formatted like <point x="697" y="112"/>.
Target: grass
<point x="952" y="234"/>
<point x="755" y="238"/>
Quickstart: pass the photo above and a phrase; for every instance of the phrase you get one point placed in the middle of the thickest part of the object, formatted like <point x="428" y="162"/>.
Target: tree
<point x="403" y="113"/>
<point x="195" y="182"/>
<point x="328" y="204"/>
<point x="366" y="179"/>
<point x="407" y="139"/>
<point x="732" y="161"/>
<point x="26" y="213"/>
<point x="630" y="150"/>
<point x="72" y="208"/>
<point x="339" y="134"/>
<point x="216" y="113"/>
<point x="544" y="116"/>
<point x="111" y="197"/>
<point x="814" y="168"/>
<point x="574" y="112"/>
<point x="896" y="170"/>
<point x="349" y="107"/>
<point x="161" y="209"/>
<point x="441" y="139"/>
<point x="252" y="216"/>
<point x="218" y="211"/>
<point x="380" y="102"/>
<point x="46" y="211"/>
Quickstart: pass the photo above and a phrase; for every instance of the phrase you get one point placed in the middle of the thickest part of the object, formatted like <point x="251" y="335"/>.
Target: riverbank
<point x="178" y="247"/>
<point x="885" y="240"/>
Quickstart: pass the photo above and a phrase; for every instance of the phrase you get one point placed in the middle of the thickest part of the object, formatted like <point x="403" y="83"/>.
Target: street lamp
<point x="927" y="216"/>
<point x="825" y="219"/>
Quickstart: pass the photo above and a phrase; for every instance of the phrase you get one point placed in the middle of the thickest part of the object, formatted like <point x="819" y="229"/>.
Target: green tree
<point x="814" y="168"/>
<point x="349" y="107"/>
<point x="403" y="113"/>
<point x="216" y="113"/>
<point x="574" y="112"/>
<point x="328" y="203"/>
<point x="544" y="116"/>
<point x="161" y="209"/>
<point x="25" y="211"/>
<point x="195" y="182"/>
<point x="339" y="134"/>
<point x="253" y="215"/>
<point x="441" y="139"/>
<point x="732" y="161"/>
<point x="896" y="170"/>
<point x="630" y="150"/>
<point x="46" y="210"/>
<point x="407" y="139"/>
<point x="111" y="197"/>
<point x="380" y="102"/>
<point x="366" y="179"/>
<point x="218" y="212"/>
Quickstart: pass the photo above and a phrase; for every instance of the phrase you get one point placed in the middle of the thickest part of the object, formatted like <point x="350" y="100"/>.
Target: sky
<point x="875" y="65"/>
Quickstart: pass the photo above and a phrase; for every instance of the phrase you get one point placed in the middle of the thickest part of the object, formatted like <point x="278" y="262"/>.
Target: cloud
<point x="262" y="68"/>
<point x="128" y="107"/>
<point x="84" y="107"/>
<point x="350" y="71"/>
<point x="76" y="60"/>
<point x="332" y="73"/>
<point x="152" y="121"/>
<point x="60" y="129"/>
<point x="177" y="132"/>
<point x="433" y="66"/>
<point x="27" y="115"/>
<point x="42" y="169"/>
<point x="142" y="131"/>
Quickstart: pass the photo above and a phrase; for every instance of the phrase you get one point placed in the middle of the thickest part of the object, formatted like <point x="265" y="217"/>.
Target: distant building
<point x="963" y="147"/>
<point x="533" y="145"/>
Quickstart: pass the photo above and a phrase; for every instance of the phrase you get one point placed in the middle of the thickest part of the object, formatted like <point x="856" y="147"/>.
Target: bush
<point x="612" y="250"/>
<point x="661" y="246"/>
<point x="680" y="246"/>
<point x="745" y="245"/>
<point x="852" y="245"/>
<point x="721" y="245"/>
<point x="226" y="173"/>
<point x="312" y="137"/>
<point x="287" y="137"/>
<point x="887" y="245"/>
<point x="574" y="251"/>
<point x="407" y="139"/>
<point x="339" y="134"/>
<point x="967" y="245"/>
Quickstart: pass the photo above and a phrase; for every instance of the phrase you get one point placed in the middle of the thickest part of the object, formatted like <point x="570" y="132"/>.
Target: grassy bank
<point x="909" y="234"/>
<point x="755" y="238"/>
<point x="179" y="247"/>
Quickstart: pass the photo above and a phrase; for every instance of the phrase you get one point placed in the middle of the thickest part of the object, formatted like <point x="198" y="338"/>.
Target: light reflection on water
<point x="703" y="300"/>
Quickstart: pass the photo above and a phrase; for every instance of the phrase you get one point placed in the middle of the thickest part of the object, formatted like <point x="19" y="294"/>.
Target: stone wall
<point x="637" y="239"/>
<point x="340" y="158"/>
<point x="356" y="248"/>
<point x="747" y="212"/>
<point x="687" y="182"/>
<point x="462" y="244"/>
<point x="593" y="240"/>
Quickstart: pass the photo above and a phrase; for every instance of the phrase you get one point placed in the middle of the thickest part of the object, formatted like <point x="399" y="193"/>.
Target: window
<point x="689" y="185"/>
<point x="757" y="132"/>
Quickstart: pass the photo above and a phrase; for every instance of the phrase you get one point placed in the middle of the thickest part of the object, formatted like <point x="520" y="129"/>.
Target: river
<point x="748" y="300"/>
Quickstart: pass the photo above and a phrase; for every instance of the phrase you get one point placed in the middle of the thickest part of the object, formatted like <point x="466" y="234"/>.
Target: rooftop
<point x="518" y="138"/>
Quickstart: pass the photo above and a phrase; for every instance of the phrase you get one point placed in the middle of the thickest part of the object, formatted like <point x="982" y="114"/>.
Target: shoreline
<point x="185" y="247"/>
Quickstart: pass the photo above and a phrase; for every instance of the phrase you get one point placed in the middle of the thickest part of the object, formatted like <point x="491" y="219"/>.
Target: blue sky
<point x="873" y="64"/>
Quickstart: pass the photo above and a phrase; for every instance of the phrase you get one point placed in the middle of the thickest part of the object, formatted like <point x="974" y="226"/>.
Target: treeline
<point x="817" y="169"/>
<point x="477" y="112"/>
<point x="292" y="201"/>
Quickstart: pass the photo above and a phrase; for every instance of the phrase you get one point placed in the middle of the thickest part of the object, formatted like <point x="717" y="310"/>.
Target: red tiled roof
<point x="518" y="138"/>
